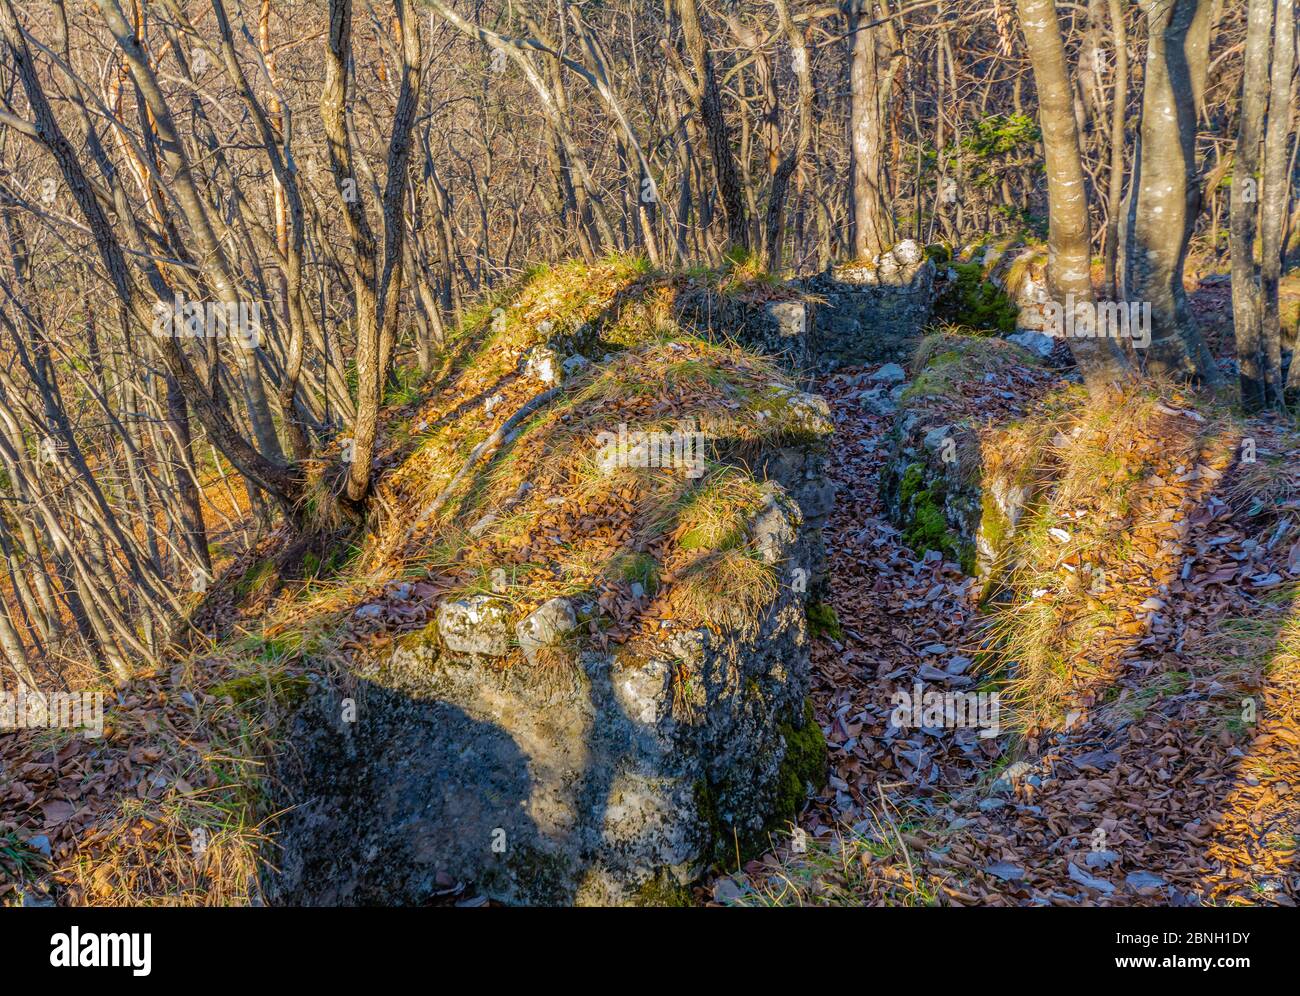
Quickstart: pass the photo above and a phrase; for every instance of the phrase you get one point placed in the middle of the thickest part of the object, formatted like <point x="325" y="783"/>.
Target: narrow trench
<point x="1159" y="794"/>
<point x="904" y="617"/>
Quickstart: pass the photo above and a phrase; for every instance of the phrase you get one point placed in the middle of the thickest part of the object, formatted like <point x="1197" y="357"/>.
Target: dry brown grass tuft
<point x="723" y="586"/>
<point x="1116" y="480"/>
<point x="180" y="852"/>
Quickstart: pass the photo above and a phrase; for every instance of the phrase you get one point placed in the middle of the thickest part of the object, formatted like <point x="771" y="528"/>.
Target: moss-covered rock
<point x="822" y="621"/>
<point x="257" y="579"/>
<point x="939" y="485"/>
<point x="663" y="890"/>
<point x="971" y="300"/>
<point x="612" y="771"/>
<point x="804" y="767"/>
<point x="802" y="770"/>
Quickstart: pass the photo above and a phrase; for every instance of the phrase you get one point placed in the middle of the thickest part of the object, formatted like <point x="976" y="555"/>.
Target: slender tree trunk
<point x="1166" y="187"/>
<point x="709" y="105"/>
<point x="15" y="654"/>
<point x="333" y="103"/>
<point x="1275" y="195"/>
<point x="1119" y="107"/>
<point x="774" y="233"/>
<point x="178" y="415"/>
<point x="873" y="223"/>
<point x="1247" y="305"/>
<point x="394" y="201"/>
<point x="1068" y="243"/>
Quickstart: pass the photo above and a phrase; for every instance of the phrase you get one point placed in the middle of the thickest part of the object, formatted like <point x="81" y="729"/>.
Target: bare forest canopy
<point x="233" y="230"/>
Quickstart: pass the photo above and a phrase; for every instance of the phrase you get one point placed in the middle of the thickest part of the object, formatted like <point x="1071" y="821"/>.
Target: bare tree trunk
<point x="1247" y="306"/>
<point x="1068" y="243"/>
<point x="15" y="655"/>
<point x="774" y="232"/>
<point x="1119" y="107"/>
<point x="873" y="223"/>
<point x="1275" y="195"/>
<point x="333" y="103"/>
<point x="178" y="416"/>
<point x="1166" y="187"/>
<point x="709" y="105"/>
<point x="399" y="153"/>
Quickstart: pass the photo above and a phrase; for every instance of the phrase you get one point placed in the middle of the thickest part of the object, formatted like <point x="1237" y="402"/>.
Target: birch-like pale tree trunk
<point x="1118" y="109"/>
<point x="873" y="222"/>
<point x="1165" y="196"/>
<point x="1069" y="273"/>
<point x="1275" y="196"/>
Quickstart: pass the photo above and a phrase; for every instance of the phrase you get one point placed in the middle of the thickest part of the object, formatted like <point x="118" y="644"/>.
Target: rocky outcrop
<point x="496" y="750"/>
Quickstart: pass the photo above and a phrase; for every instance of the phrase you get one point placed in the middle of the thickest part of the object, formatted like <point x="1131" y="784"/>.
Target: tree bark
<point x="774" y="232"/>
<point x="1119" y="107"/>
<point x="333" y="103"/>
<point x="1275" y="195"/>
<point x="873" y="223"/>
<point x="1068" y="242"/>
<point x="1247" y="304"/>
<point x="1165" y="189"/>
<point x="709" y="107"/>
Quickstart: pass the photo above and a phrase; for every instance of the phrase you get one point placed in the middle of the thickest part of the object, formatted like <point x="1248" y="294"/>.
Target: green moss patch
<point x="973" y="301"/>
<point x="663" y="890"/>
<point x="927" y="524"/>
<point x="822" y="621"/>
<point x="804" y="764"/>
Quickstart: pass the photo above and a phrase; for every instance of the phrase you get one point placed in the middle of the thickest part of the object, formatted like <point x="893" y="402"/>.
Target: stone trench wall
<point x="877" y="311"/>
<point x="856" y="313"/>
<point x="872" y="311"/>
<point x="618" y="779"/>
<point x="937" y="486"/>
<point x="778" y="328"/>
